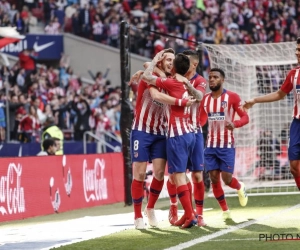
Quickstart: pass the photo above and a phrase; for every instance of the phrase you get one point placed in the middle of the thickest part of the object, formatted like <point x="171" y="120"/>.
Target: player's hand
<point x="135" y="77"/>
<point x="248" y="104"/>
<point x="230" y="126"/>
<point x="180" y="78"/>
<point x="146" y="65"/>
<point x="190" y="102"/>
<point x="159" y="56"/>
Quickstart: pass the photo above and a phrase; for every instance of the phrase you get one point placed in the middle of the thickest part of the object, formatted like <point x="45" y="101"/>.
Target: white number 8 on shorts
<point x="136" y="145"/>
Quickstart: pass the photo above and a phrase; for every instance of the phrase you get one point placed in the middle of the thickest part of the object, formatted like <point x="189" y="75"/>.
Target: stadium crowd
<point x="210" y="21"/>
<point x="36" y="93"/>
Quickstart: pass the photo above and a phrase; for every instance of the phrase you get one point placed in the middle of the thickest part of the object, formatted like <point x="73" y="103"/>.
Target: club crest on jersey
<point x="224" y="104"/>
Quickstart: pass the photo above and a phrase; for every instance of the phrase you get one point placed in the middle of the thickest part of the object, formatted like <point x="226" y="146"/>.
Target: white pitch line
<point x="228" y="230"/>
<point x="247" y="239"/>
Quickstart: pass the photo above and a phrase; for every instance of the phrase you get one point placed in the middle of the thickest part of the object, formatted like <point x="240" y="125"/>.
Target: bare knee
<point x="197" y="176"/>
<point x="214" y="179"/>
<point x="227" y="181"/>
<point x="139" y="171"/>
<point x="159" y="175"/>
<point x="227" y="178"/>
<point x="171" y="179"/>
<point x="159" y="166"/>
<point x="140" y="176"/>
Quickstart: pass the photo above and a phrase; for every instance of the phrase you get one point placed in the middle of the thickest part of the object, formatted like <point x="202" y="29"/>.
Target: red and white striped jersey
<point x="198" y="83"/>
<point x="149" y="114"/>
<point x="219" y="112"/>
<point x="292" y="82"/>
<point x="179" y="118"/>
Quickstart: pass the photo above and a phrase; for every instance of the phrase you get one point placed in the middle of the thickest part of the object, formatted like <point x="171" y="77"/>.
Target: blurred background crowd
<point x="36" y="93"/>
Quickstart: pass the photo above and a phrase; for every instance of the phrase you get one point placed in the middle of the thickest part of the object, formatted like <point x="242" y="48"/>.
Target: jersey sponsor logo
<point x="216" y="116"/>
<point x="224" y="104"/>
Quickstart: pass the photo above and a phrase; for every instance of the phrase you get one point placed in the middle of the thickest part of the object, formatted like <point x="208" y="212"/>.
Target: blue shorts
<point x="222" y="159"/>
<point x="197" y="160"/>
<point x="294" y="142"/>
<point x="146" y="147"/>
<point x="179" y="151"/>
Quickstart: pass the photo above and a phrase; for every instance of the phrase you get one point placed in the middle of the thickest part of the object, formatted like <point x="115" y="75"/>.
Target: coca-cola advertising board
<point x="34" y="186"/>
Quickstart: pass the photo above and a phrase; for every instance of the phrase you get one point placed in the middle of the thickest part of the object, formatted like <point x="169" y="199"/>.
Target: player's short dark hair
<point x="192" y="53"/>
<point x="47" y="143"/>
<point x="222" y="73"/>
<point x="298" y="40"/>
<point x="181" y="64"/>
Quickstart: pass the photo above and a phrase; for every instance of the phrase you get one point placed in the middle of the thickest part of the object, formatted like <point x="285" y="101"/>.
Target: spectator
<point x="60" y="113"/>
<point x="76" y="25"/>
<point x="85" y="21"/>
<point x="48" y="111"/>
<point x="5" y="6"/>
<point x="61" y="4"/>
<point x="102" y="124"/>
<point x="39" y="106"/>
<point x="32" y="21"/>
<point x="83" y="111"/>
<point x="113" y="33"/>
<point x="5" y="20"/>
<point x="51" y="130"/>
<point x="49" y="147"/>
<point x="47" y="11"/>
<point x="98" y="29"/>
<point x="12" y="12"/>
<point x="2" y="118"/>
<point x="13" y="107"/>
<point x="21" y="80"/>
<point x="53" y="27"/>
<point x="29" y="126"/>
<point x="70" y="11"/>
<point x="27" y="61"/>
<point x="19" y="23"/>
<point x="57" y="143"/>
<point x="23" y="99"/>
